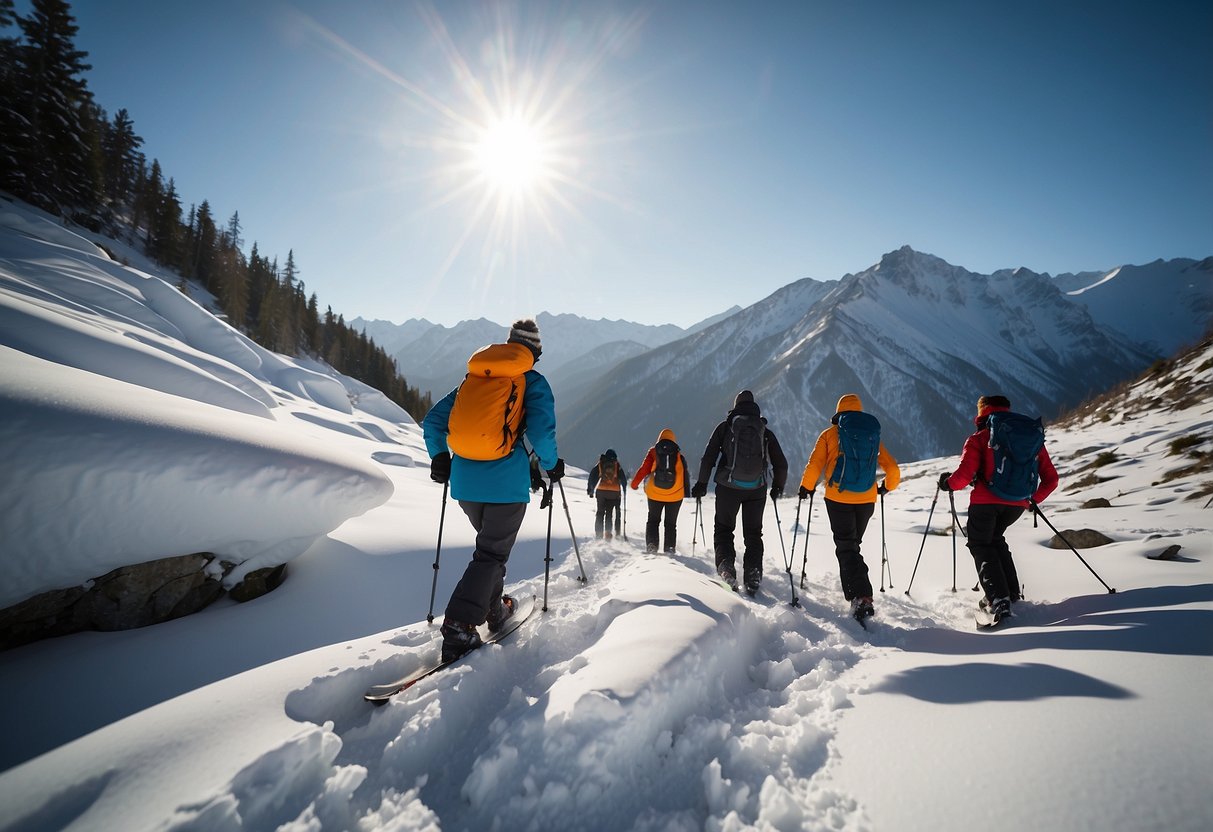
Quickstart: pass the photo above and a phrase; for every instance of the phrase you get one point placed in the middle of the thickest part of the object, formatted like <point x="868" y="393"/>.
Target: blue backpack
<point x="858" y="446"/>
<point x="1016" y="441"/>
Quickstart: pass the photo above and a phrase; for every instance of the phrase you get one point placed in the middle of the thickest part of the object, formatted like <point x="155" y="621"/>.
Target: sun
<point x="511" y="155"/>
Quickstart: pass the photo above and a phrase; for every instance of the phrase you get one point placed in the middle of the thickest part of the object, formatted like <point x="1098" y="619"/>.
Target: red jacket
<point x="977" y="457"/>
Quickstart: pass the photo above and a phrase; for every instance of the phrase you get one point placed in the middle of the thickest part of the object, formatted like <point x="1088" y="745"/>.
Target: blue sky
<point x="686" y="156"/>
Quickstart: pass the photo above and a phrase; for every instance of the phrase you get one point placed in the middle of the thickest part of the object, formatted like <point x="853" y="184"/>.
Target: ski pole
<point x="547" y="554"/>
<point x="429" y="617"/>
<point x="786" y="566"/>
<point x="572" y="533"/>
<point x="925" y="532"/>
<point x="796" y="528"/>
<point x="808" y="525"/>
<point x="623" y="489"/>
<point x="955" y="526"/>
<point x="884" y="552"/>
<point x="1040" y="513"/>
<point x="695" y="527"/>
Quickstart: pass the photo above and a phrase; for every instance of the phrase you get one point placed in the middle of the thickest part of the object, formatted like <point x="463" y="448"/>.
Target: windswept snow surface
<point x="137" y="426"/>
<point x="647" y="697"/>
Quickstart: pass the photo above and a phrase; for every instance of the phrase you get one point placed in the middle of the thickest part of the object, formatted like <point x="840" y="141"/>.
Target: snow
<point x="647" y="698"/>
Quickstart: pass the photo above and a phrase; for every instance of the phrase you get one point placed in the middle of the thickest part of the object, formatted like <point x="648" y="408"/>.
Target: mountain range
<point x="917" y="338"/>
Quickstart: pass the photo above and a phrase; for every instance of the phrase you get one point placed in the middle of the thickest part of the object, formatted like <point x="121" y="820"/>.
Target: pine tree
<point x="13" y="126"/>
<point x="56" y="145"/>
<point x="201" y="265"/>
<point x="120" y="149"/>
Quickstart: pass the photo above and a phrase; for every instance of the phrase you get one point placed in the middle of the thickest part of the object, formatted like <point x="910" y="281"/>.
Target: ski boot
<point x="457" y="639"/>
<point x="502" y="613"/>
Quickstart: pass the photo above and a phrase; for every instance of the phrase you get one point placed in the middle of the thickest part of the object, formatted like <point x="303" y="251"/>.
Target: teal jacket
<point x="505" y="480"/>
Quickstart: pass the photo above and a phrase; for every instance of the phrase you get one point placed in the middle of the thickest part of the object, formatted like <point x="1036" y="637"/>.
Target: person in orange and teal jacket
<point x="990" y="515"/>
<point x="493" y="493"/>
<point x="666" y="484"/>
<point x="849" y="510"/>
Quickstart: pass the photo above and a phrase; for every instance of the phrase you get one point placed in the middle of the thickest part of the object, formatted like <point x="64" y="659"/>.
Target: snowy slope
<point x="137" y="426"/>
<point x="651" y="698"/>
<point x="648" y="697"/>
<point x="1164" y="305"/>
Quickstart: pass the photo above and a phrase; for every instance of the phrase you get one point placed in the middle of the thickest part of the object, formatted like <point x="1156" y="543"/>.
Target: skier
<point x="605" y="480"/>
<point x="991" y="514"/>
<point x="847" y="453"/>
<point x="741" y="449"/>
<point x="472" y="436"/>
<point x="666" y="483"/>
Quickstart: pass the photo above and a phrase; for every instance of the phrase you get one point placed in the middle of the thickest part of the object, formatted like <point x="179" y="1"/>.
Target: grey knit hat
<point x="526" y="332"/>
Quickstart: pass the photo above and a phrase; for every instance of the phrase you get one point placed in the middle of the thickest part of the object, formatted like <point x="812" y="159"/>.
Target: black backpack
<point x="858" y="450"/>
<point x="1016" y="440"/>
<point x="746" y="451"/>
<point x="665" y="474"/>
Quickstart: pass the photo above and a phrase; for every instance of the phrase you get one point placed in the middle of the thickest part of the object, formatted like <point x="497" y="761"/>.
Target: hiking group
<point x="475" y="435"/>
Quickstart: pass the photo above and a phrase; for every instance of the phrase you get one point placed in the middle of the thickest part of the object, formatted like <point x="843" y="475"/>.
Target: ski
<point x="721" y="582"/>
<point x="379" y="694"/>
<point x="985" y="621"/>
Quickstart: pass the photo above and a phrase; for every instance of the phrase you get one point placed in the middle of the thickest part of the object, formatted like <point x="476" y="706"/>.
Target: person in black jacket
<point x="741" y="449"/>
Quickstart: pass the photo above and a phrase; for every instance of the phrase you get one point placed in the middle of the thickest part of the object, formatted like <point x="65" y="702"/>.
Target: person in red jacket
<point x="666" y="484"/>
<point x="990" y="515"/>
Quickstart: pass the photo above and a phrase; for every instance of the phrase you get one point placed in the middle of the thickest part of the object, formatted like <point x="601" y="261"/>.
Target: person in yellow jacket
<point x="847" y="454"/>
<point x="666" y="483"/>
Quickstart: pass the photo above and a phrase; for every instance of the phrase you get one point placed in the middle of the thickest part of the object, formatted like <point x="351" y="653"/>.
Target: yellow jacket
<point x="825" y="455"/>
<point x="682" y="484"/>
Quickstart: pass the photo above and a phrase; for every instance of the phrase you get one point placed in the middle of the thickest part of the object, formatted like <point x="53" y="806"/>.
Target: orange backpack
<point x="486" y="418"/>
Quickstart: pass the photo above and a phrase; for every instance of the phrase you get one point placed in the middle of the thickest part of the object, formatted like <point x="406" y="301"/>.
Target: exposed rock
<point x="1079" y="539"/>
<point x="1169" y="553"/>
<point x="1098" y="502"/>
<point x="258" y="583"/>
<point x="128" y="597"/>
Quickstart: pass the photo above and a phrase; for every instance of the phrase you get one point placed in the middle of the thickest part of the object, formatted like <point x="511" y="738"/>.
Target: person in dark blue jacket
<point x="475" y="442"/>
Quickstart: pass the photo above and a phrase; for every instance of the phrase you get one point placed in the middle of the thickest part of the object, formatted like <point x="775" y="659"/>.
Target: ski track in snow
<point x="782" y="674"/>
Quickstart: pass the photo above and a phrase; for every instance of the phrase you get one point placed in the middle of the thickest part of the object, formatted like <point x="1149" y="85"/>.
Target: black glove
<point x="882" y="489"/>
<point x="943" y="482"/>
<point x="776" y="492"/>
<point x="805" y="492"/>
<point x="440" y="467"/>
<point x="589" y="492"/>
<point x="699" y="489"/>
<point x="555" y="474"/>
<point x="536" y="478"/>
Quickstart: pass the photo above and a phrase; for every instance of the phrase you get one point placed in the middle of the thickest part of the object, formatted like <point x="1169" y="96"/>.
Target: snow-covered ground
<point x="646" y="698"/>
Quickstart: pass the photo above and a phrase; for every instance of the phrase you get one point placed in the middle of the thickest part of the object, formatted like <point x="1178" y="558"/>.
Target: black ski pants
<point x="656" y="507"/>
<point x="751" y="502"/>
<point x="987" y="526"/>
<point x="848" y="522"/>
<point x="496" y="526"/>
<point x="608" y="504"/>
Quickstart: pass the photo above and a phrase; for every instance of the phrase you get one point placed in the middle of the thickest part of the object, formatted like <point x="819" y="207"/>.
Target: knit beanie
<point x="986" y="402"/>
<point x="743" y="396"/>
<point x="526" y="332"/>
